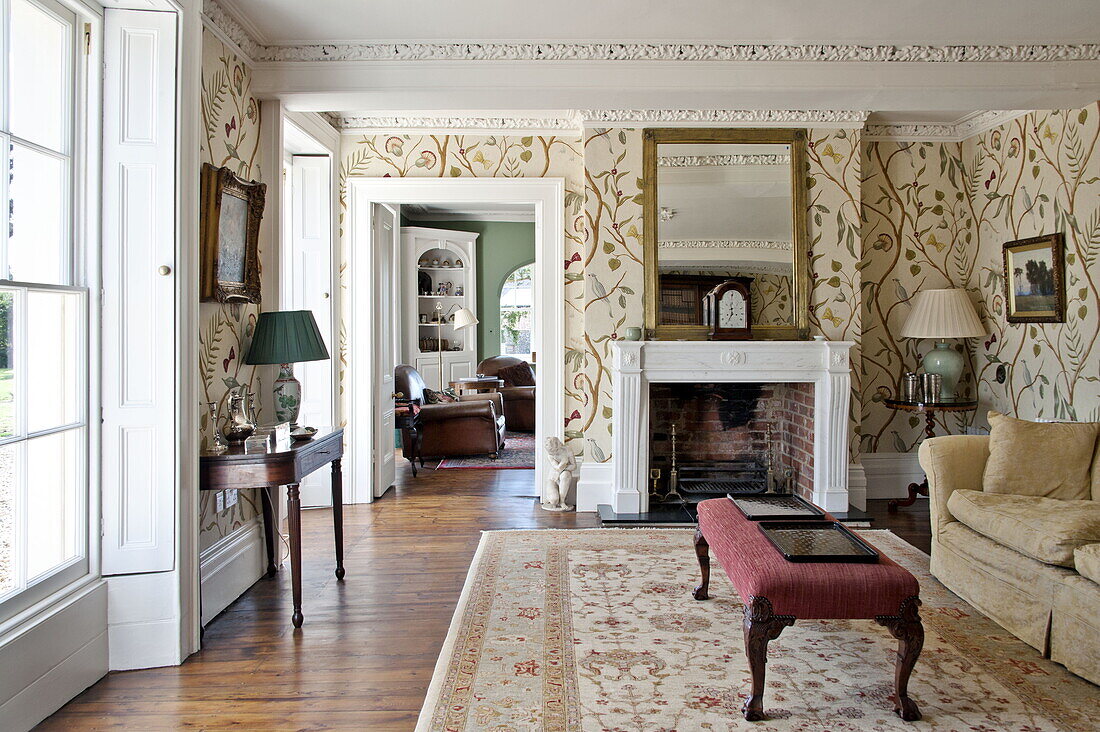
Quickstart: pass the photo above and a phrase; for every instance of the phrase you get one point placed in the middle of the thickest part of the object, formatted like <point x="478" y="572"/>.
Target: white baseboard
<point x="857" y="486"/>
<point x="52" y="657"/>
<point x="230" y="566"/>
<point x="890" y="473"/>
<point x="594" y="486"/>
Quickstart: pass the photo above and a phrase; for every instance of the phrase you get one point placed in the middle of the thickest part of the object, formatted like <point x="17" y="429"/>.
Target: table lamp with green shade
<point x="287" y="337"/>
<point x="942" y="314"/>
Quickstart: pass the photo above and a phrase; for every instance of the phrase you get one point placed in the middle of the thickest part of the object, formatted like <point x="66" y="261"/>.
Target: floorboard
<point x="366" y="654"/>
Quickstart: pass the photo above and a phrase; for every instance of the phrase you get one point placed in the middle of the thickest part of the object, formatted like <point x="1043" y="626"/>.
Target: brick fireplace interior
<point x="728" y="425"/>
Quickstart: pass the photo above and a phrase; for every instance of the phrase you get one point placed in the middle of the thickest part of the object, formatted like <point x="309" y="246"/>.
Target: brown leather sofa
<point x="474" y="425"/>
<point x="519" y="401"/>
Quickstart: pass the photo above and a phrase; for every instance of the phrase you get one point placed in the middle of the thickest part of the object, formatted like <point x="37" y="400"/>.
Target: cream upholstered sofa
<point x="1031" y="563"/>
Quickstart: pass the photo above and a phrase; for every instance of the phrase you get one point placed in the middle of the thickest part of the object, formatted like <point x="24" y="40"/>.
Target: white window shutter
<point x="139" y="368"/>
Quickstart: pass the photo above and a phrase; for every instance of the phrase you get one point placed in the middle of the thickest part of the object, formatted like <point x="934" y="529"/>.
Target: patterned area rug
<point x="519" y="453"/>
<point x="596" y="630"/>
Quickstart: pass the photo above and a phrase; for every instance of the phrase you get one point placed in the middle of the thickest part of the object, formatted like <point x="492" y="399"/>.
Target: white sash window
<point x="43" y="310"/>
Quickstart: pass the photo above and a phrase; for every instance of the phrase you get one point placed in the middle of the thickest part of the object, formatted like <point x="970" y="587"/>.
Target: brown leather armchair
<point x="519" y="401"/>
<point x="474" y="425"/>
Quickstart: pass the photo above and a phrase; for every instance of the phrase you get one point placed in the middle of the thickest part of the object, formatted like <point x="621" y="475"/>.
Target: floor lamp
<point x="463" y="318"/>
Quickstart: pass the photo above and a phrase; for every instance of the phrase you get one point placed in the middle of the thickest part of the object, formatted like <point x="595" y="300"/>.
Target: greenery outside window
<point x="516" y="313"/>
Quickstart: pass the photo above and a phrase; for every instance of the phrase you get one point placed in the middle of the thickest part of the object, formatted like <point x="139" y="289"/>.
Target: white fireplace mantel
<point x="637" y="364"/>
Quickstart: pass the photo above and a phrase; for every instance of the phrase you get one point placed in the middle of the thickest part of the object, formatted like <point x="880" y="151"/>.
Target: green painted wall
<point x="501" y="247"/>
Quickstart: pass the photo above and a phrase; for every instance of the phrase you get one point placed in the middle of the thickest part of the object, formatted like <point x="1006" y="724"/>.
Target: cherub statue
<point x="562" y="477"/>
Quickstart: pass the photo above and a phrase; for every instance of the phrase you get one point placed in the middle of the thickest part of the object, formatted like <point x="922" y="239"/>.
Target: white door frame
<point x="548" y="197"/>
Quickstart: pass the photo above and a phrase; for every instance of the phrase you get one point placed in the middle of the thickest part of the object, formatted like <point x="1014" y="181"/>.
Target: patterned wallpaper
<point x="1036" y="175"/>
<point x="834" y="190"/>
<point x="917" y="223"/>
<point x="603" y="227"/>
<point x="231" y="138"/>
<point x="937" y="215"/>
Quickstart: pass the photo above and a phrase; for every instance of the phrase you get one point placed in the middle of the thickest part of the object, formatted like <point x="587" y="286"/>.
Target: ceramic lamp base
<point x="948" y="363"/>
<point x="288" y="396"/>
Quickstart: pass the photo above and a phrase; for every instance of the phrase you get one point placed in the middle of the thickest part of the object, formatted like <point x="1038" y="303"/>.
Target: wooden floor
<point x="365" y="656"/>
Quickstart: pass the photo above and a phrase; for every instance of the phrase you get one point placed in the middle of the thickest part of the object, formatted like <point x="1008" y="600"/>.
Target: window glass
<point x="54" y="320"/>
<point x="8" y="405"/>
<point x="53" y="499"/>
<point x="10" y="482"/>
<point x="39" y="58"/>
<point x="38" y="226"/>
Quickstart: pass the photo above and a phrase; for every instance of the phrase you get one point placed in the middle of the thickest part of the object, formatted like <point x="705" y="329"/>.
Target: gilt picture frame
<point x="1034" y="274"/>
<point x="231" y="211"/>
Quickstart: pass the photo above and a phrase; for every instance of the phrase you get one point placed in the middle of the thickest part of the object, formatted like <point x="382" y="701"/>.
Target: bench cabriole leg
<point x="762" y="626"/>
<point x="702" y="553"/>
<point x="907" y="628"/>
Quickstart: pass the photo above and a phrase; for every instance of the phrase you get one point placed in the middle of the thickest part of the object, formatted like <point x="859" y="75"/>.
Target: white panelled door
<point x="307" y="285"/>
<point x="384" y="241"/>
<point x="139" y="374"/>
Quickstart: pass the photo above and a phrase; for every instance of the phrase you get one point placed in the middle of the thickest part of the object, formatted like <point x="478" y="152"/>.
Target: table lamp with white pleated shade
<point x="943" y="314"/>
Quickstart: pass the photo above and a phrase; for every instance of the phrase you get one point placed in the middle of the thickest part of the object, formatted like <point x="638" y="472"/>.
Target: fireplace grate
<point x="737" y="487"/>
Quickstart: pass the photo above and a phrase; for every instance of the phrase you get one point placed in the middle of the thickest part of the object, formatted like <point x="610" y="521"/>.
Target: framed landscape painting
<point x="1035" y="288"/>
<point x="230" y="232"/>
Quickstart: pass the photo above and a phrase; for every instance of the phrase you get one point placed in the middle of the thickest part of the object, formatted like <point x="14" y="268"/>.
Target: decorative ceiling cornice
<point x="232" y="30"/>
<point x="966" y="127"/>
<point x="577" y="120"/>
<point x="701" y="161"/>
<point x="727" y="117"/>
<point x="680" y="52"/>
<point x="456" y="124"/>
<point x="784" y="246"/>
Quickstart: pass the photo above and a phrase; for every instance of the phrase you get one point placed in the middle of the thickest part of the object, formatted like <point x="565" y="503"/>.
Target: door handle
<point x="164" y="270"/>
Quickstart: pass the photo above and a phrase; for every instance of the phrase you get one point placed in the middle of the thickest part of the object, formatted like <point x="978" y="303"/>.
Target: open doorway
<point x="466" y="284"/>
<point x="307" y="275"/>
<point x="443" y="347"/>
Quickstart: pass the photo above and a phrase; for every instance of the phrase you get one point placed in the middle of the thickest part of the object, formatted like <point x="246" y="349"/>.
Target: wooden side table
<point x="929" y="409"/>
<point x="283" y="465"/>
<point x="480" y="384"/>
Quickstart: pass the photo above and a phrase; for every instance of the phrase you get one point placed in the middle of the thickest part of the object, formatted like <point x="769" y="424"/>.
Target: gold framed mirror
<point x="720" y="205"/>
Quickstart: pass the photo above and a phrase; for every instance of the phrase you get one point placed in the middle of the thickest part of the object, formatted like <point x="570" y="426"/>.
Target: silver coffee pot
<point x="240" y="418"/>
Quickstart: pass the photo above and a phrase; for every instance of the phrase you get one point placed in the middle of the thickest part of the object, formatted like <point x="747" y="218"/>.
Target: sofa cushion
<point x="518" y="375"/>
<point x="1051" y="459"/>
<point x="1046" y="529"/>
<point x="1086" y="560"/>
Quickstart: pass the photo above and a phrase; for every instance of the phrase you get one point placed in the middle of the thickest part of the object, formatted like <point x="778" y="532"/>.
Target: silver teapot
<point x="240" y="420"/>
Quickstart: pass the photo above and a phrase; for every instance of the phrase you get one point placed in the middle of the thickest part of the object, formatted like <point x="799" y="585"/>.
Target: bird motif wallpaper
<point x="231" y="138"/>
<point x="937" y="215"/>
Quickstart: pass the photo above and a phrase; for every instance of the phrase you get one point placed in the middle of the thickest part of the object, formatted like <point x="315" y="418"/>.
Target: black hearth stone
<point x="688" y="514"/>
<point x="659" y="515"/>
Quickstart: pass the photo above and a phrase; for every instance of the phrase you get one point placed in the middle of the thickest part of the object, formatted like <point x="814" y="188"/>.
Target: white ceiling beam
<point x="438" y="86"/>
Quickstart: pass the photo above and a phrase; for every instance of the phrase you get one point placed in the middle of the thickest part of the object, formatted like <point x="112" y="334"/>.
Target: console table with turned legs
<point x="929" y="409"/>
<point x="283" y="465"/>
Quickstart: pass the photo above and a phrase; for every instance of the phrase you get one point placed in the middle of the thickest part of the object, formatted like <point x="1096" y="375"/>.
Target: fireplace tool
<point x="654" y="492"/>
<point x="674" y="474"/>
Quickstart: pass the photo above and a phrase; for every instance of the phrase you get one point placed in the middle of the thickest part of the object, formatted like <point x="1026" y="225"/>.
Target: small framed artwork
<point x="1035" y="286"/>
<point x="230" y="232"/>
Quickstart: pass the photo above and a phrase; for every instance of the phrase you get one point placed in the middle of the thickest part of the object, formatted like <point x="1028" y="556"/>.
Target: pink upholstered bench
<point x="777" y="592"/>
